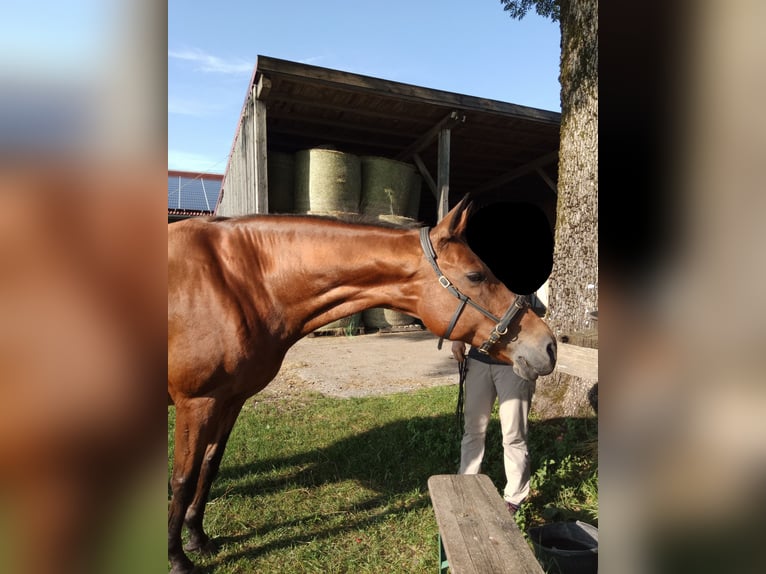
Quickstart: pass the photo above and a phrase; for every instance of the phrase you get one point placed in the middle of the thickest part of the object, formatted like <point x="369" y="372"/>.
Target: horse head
<point x="465" y="301"/>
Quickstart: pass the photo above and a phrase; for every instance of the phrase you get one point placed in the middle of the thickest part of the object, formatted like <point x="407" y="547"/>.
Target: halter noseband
<point x="501" y="328"/>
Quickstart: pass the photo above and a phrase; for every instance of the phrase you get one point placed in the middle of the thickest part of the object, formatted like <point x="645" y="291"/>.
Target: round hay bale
<point x="342" y="215"/>
<point x="397" y="219"/>
<point x="380" y="318"/>
<point x="386" y="186"/>
<point x="351" y="325"/>
<point x="281" y="171"/>
<point x="413" y="205"/>
<point x="326" y="181"/>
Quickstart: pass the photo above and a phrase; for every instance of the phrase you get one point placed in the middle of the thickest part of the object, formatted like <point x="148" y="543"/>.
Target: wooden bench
<point x="477" y="534"/>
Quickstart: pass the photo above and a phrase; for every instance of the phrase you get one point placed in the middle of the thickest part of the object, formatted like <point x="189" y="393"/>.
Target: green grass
<point x="317" y="484"/>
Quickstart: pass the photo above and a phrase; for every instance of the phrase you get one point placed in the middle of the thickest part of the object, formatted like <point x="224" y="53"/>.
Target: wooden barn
<point x="455" y="143"/>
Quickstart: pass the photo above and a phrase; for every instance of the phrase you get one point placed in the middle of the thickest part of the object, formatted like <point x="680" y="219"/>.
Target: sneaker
<point x="512" y="508"/>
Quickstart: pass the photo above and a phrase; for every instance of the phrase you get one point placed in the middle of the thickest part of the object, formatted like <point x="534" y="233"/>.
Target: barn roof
<point x="503" y="150"/>
<point x="192" y="193"/>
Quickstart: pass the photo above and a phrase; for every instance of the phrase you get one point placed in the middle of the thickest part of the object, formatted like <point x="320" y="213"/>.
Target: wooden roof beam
<point x="323" y="137"/>
<point x="518" y="172"/>
<point x="454" y="118"/>
<point x="322" y="123"/>
<point x="356" y="110"/>
<point x="426" y="175"/>
<point x="306" y="74"/>
<point x="547" y="180"/>
<point x="262" y="88"/>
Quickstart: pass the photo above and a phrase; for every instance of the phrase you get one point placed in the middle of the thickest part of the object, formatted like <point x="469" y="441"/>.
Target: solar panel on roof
<point x="193" y="193"/>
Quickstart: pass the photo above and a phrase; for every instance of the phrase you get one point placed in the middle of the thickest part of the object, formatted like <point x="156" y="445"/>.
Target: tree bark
<point x="573" y="285"/>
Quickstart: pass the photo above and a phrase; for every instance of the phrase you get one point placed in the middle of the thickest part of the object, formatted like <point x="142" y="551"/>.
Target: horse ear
<point x="459" y="216"/>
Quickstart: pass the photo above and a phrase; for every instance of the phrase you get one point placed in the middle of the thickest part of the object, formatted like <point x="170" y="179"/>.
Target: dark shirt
<point x="481" y="357"/>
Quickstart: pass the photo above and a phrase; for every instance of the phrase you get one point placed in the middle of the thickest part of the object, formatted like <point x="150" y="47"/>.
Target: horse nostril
<point x="551" y="350"/>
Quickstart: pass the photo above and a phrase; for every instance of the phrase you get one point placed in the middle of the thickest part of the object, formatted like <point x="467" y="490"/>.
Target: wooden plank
<point x="578" y="361"/>
<point x="477" y="531"/>
<point x="442" y="177"/>
<point x="247" y="181"/>
<point x="236" y="180"/>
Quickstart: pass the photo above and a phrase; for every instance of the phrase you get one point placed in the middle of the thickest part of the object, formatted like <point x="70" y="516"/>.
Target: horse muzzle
<point x="530" y="362"/>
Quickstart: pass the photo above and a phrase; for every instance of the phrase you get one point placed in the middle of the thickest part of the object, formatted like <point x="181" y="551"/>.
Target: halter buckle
<point x="519" y="303"/>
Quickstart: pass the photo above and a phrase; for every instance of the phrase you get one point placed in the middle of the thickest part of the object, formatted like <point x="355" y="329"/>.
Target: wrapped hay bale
<point x="378" y="317"/>
<point x="397" y="219"/>
<point x="387" y="186"/>
<point x="346" y="326"/>
<point x="327" y="180"/>
<point x="281" y="172"/>
<point x="413" y="205"/>
<point x="351" y="325"/>
<point x="341" y="215"/>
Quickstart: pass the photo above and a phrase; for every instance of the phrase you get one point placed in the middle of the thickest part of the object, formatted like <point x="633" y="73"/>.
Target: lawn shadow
<point x="389" y="461"/>
<point x="253" y="549"/>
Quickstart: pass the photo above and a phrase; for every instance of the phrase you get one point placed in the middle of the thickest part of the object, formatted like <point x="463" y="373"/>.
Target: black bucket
<point x="566" y="547"/>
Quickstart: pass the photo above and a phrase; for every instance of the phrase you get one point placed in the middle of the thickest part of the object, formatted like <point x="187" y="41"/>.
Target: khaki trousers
<point x="484" y="383"/>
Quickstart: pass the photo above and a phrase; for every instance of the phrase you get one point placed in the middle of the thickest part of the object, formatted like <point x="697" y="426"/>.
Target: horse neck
<point x="335" y="270"/>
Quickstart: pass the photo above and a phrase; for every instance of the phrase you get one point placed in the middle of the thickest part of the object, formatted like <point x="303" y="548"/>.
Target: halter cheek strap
<point x="501" y="328"/>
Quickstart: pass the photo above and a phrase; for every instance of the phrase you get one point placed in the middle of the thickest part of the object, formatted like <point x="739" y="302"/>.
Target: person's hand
<point x="458" y="350"/>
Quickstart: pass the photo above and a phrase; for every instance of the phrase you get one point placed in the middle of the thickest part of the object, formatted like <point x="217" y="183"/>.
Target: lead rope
<point x="462" y="368"/>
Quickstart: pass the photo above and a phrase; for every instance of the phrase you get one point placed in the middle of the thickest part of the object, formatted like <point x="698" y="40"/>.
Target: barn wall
<point x="246" y="175"/>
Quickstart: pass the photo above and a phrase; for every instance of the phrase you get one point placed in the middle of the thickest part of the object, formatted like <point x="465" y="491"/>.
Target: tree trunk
<point x="573" y="286"/>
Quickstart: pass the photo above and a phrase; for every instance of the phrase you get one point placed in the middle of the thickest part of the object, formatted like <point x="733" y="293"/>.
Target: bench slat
<point x="477" y="531"/>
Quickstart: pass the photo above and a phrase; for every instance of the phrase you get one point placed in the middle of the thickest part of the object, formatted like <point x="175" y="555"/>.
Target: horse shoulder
<point x="205" y="333"/>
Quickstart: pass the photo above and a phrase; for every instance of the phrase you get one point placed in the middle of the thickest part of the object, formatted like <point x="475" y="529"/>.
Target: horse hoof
<point x="184" y="569"/>
<point x="206" y="548"/>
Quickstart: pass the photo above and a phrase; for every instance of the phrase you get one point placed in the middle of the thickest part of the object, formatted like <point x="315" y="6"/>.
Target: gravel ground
<point x="386" y="363"/>
<point x="364" y="365"/>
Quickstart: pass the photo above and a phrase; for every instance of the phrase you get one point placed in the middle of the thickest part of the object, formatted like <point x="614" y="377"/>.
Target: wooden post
<point x="246" y="195"/>
<point x="454" y="118"/>
<point x="260" y="158"/>
<point x="443" y="175"/>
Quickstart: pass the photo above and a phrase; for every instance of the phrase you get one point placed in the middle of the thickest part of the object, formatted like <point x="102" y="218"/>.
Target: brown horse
<point x="242" y="291"/>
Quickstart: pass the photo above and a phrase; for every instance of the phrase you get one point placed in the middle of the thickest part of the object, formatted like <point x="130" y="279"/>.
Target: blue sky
<point x="470" y="47"/>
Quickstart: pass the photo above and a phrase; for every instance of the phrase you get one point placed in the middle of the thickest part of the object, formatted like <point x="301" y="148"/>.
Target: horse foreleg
<point x="198" y="539"/>
<point x="192" y="428"/>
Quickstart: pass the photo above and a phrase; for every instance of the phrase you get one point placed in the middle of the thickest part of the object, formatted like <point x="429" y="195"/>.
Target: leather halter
<point x="501" y="328"/>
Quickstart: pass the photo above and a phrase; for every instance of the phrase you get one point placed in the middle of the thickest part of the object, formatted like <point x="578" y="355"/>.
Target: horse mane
<point x="344" y="217"/>
<point x="369" y="220"/>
